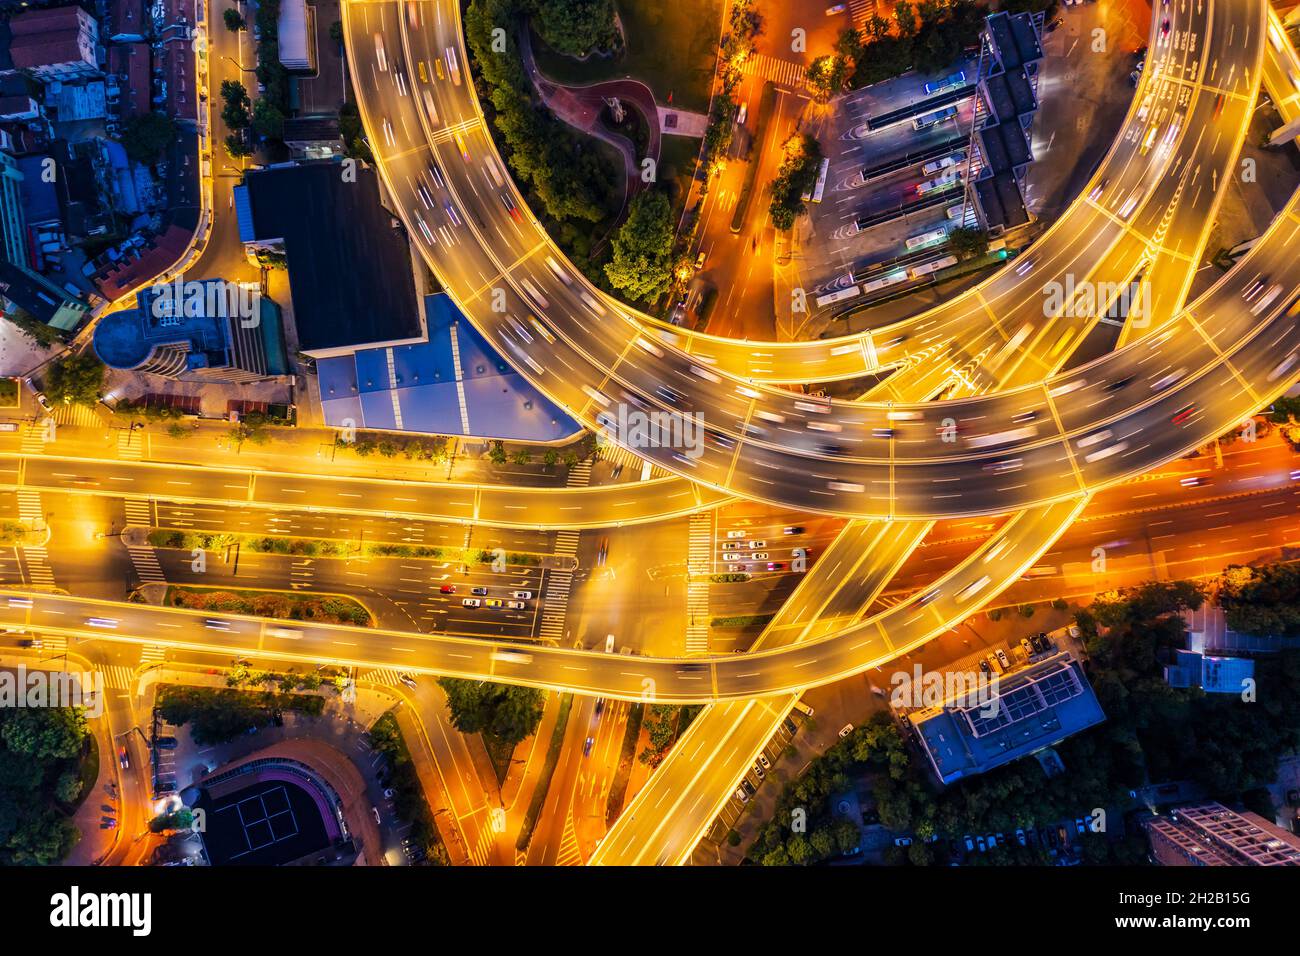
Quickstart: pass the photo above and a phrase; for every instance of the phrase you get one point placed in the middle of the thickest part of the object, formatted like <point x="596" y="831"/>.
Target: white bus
<point x="885" y="281"/>
<point x="957" y="212"/>
<point x="821" y="180"/>
<point x="932" y="238"/>
<point x="953" y="82"/>
<point x="929" y="267"/>
<point x="838" y="296"/>
<point x="946" y="181"/>
<point x="930" y="168"/>
<point x="926" y="120"/>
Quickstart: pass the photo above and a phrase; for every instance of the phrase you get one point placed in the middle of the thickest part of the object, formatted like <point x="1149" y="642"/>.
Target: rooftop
<point x="349" y="267"/>
<point x="454" y="384"/>
<point x="1029" y="708"/>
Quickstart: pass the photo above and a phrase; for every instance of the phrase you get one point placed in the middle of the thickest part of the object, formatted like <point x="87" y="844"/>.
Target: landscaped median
<point x="327" y="548"/>
<point x="283" y="605"/>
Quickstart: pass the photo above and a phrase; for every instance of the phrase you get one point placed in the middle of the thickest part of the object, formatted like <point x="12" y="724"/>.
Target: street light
<point x="236" y="64"/>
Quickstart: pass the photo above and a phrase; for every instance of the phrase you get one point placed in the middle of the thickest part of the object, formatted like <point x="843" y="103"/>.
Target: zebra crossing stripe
<point x="569" y="854"/>
<point x="145" y="562"/>
<point x="699" y="558"/>
<point x="76" y="415"/>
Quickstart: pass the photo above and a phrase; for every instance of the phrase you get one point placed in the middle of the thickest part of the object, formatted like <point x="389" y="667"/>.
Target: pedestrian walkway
<point x="555" y="606"/>
<point x="782" y="72"/>
<point x="83" y="415"/>
<point x="860" y="11"/>
<point x="130" y="444"/>
<point x="29" y="508"/>
<point x="152" y="653"/>
<point x="118" y="677"/>
<point x="382" y="676"/>
<point x="699" y="563"/>
<point x="481" y="852"/>
<point x="139" y="511"/>
<point x="34" y="436"/>
<point x="146" y="565"/>
<point x="38" y="569"/>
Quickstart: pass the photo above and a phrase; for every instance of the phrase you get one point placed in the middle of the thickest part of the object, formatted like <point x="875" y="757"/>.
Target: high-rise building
<point x="13" y="228"/>
<point x="1209" y="834"/>
<point x="210" y="330"/>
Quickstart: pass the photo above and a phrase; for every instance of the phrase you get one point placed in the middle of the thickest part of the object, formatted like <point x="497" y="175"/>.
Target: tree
<point x="235" y="113"/>
<point x="45" y="732"/>
<point x="268" y="121"/>
<point x="641" y="265"/>
<point x="575" y="27"/>
<point x="76" y="380"/>
<point x="236" y="147"/>
<point x="234" y="21"/>
<point x="144" y="136"/>
<point x="796" y="176"/>
<point x="497" y="453"/>
<point x="968" y="242"/>
<point x="506" y="712"/>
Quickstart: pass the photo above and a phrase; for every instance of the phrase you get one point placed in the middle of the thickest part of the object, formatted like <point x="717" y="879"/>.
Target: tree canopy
<point x="506" y="712"/>
<point x="643" y="249"/>
<point x="146" y="135"/>
<point x="76" y="380"/>
<point x="40" y="751"/>
<point x="575" y="27"/>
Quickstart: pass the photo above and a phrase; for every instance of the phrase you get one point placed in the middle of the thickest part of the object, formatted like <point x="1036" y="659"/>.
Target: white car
<point x="757" y="544"/>
<point x="758" y="556"/>
<point x="735" y="534"/>
<point x="471" y="602"/>
<point x="732" y="556"/>
<point x="522" y="595"/>
<point x="846" y="730"/>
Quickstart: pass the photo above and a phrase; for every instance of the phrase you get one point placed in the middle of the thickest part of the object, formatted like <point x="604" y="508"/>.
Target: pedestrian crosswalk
<point x="82" y="415"/>
<point x="151" y="653"/>
<point x="29" y="508"/>
<point x="146" y="565"/>
<point x="139" y="511"/>
<point x="52" y="645"/>
<point x="617" y="455"/>
<point x="130" y="444"/>
<point x="558" y="583"/>
<point x="35" y="436"/>
<point x="699" y="562"/>
<point x="382" y="676"/>
<point x="38" y="567"/>
<point x="118" y="677"/>
<point x="782" y="72"/>
<point x="860" y="11"/>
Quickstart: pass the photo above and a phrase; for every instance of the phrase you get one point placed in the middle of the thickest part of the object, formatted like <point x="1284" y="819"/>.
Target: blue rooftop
<point x="416" y="388"/>
<point x="1212" y="674"/>
<point x="1029" y="709"/>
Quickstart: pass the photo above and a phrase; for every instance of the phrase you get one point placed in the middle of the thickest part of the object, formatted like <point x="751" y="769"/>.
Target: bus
<point x="885" y="281"/>
<point x="932" y="238"/>
<point x="821" y="180"/>
<point x="957" y="212"/>
<point x="838" y="296"/>
<point x="953" y="82"/>
<point x="939" y="183"/>
<point x="926" y="120"/>
<point x="934" y="266"/>
<point x="929" y="169"/>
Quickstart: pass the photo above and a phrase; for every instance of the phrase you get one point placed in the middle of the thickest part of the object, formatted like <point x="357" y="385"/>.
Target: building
<point x="13" y="226"/>
<point x="206" y="331"/>
<point x="1211" y="673"/>
<point x="1028" y="709"/>
<point x="296" y="29"/>
<point x="351" y="275"/>
<point x="313" y="137"/>
<point x="453" y="384"/>
<point x="56" y="43"/>
<point x="24" y="294"/>
<point x="126" y="21"/>
<point x="1005" y="110"/>
<point x="1209" y="834"/>
<point x="40" y="197"/>
<point x="128" y="65"/>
